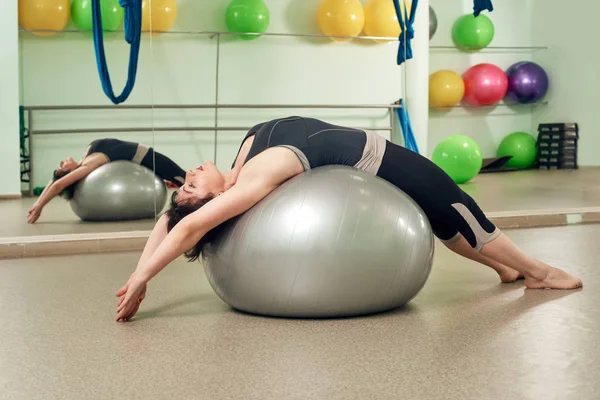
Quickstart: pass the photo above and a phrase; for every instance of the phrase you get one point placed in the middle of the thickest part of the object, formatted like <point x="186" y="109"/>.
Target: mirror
<point x="64" y="111"/>
<point x="196" y="95"/>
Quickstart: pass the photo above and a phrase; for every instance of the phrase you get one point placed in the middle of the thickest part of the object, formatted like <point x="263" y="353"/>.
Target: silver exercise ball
<point x="332" y="242"/>
<point x="433" y="22"/>
<point x="117" y="191"/>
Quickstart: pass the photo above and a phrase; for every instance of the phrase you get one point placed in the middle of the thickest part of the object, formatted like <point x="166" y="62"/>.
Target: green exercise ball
<point x="473" y="33"/>
<point x="110" y="10"/>
<point x="248" y="16"/>
<point x="459" y="156"/>
<point x="521" y="146"/>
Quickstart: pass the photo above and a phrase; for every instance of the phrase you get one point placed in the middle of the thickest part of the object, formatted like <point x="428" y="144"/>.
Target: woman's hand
<point x="130" y="297"/>
<point x="34" y="213"/>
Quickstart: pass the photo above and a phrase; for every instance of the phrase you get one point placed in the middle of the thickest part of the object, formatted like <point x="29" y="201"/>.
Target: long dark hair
<point x="67" y="192"/>
<point x="179" y="211"/>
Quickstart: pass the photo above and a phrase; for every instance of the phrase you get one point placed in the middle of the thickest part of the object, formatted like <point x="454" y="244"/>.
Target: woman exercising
<point x="273" y="152"/>
<point x="98" y="153"/>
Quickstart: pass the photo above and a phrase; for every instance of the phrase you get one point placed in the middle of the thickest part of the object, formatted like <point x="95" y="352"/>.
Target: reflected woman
<point x="98" y="153"/>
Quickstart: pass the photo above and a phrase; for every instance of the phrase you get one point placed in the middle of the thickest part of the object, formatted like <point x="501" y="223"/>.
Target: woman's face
<point x="67" y="165"/>
<point x="205" y="181"/>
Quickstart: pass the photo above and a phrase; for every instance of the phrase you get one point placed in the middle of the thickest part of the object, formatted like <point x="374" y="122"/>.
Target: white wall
<point x="572" y="64"/>
<point x="512" y="21"/>
<point x="9" y="101"/>
<point x="180" y="69"/>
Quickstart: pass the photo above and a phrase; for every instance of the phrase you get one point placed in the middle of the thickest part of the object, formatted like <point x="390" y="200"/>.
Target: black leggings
<point x="449" y="209"/>
<point x="164" y="167"/>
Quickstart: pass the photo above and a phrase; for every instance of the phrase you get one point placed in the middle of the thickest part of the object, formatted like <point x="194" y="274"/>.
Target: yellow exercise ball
<point x="446" y="88"/>
<point x="48" y="15"/>
<point x="163" y="13"/>
<point x="381" y="19"/>
<point x="341" y="18"/>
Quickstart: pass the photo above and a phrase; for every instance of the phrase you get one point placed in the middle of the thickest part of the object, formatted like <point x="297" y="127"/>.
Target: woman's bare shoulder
<point x="94" y="160"/>
<point x="275" y="164"/>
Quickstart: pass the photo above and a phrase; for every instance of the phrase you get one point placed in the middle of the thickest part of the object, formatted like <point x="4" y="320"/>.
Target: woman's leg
<point x="538" y="275"/>
<point x="462" y="247"/>
<point x="164" y="167"/>
<point x="451" y="211"/>
<point x="482" y="236"/>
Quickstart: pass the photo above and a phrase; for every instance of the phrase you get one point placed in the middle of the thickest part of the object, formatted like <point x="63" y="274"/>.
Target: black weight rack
<point x="557" y="146"/>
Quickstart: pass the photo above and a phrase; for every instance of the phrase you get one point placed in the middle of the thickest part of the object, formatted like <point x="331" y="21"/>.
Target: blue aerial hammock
<point x="405" y="53"/>
<point x="133" y="33"/>
<point x="408" y="32"/>
<point x="407" y="132"/>
<point x="480" y="5"/>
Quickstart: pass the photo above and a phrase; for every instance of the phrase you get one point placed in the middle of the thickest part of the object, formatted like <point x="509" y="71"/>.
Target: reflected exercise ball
<point x="331" y="242"/>
<point x="341" y="18"/>
<point x="521" y="147"/>
<point x="473" y="33"/>
<point x="381" y="20"/>
<point x="485" y="84"/>
<point x="446" y="88"/>
<point x="158" y="15"/>
<point x="111" y="11"/>
<point x="527" y="82"/>
<point x="433" y="22"/>
<point x="248" y="16"/>
<point x="459" y="156"/>
<point x="44" y="15"/>
<point x="119" y="191"/>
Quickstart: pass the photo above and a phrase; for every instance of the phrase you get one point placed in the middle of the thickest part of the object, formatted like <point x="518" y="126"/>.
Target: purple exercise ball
<point x="527" y="82"/>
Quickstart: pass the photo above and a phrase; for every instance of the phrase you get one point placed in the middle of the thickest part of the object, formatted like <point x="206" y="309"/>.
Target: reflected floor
<point x="535" y="190"/>
<point x="499" y="192"/>
<point x="57" y="218"/>
<point x="465" y="336"/>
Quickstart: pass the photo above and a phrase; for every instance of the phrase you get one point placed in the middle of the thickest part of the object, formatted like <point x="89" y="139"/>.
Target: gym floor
<point x="465" y="336"/>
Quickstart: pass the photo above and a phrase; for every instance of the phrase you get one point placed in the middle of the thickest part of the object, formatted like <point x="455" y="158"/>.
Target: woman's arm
<point x="192" y="228"/>
<point x="259" y="178"/>
<point x="53" y="189"/>
<point x="183" y="237"/>
<point x="46" y="189"/>
<point x="156" y="237"/>
<point x="239" y="162"/>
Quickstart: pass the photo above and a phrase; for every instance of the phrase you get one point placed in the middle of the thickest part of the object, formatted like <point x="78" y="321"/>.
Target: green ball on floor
<point x="459" y="156"/>
<point x="522" y="148"/>
<point x="38" y="190"/>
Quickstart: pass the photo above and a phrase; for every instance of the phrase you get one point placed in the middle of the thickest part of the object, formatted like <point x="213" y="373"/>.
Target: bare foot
<point x="510" y="275"/>
<point x="556" y="279"/>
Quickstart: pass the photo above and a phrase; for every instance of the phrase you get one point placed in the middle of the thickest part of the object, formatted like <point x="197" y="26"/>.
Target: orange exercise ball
<point x="44" y="15"/>
<point x="158" y="15"/>
<point x="341" y="18"/>
<point x="446" y="88"/>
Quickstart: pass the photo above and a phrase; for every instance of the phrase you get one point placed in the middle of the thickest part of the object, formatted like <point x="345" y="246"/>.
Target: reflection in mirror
<point x="76" y="141"/>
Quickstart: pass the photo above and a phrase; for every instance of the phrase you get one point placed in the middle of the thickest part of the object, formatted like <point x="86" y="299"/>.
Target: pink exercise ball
<point x="485" y="84"/>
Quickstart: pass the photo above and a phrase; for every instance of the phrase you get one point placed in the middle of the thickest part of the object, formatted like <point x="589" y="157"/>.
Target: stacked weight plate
<point x="557" y="146"/>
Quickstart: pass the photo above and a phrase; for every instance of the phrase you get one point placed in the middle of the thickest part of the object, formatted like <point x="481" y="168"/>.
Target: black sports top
<point x="115" y="150"/>
<point x="318" y="143"/>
